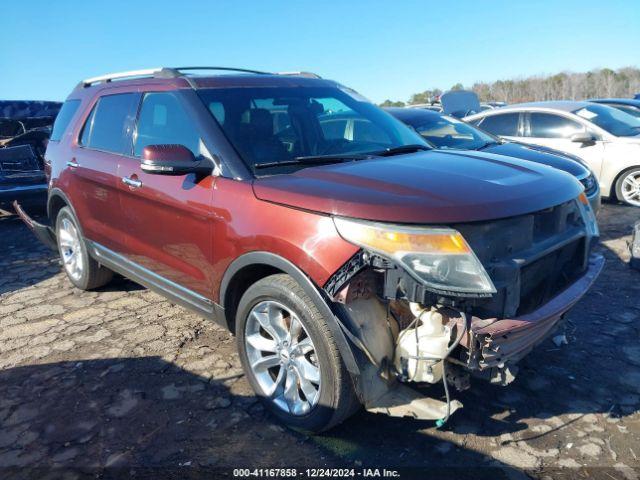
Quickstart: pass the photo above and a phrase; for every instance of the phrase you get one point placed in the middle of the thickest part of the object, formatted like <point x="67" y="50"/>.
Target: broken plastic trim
<point x="43" y="232"/>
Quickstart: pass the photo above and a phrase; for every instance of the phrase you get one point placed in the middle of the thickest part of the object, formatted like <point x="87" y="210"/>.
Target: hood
<point x="426" y="187"/>
<point x="542" y="155"/>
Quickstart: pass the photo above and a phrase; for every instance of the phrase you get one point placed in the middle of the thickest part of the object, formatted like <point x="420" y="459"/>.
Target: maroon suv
<point x="350" y="260"/>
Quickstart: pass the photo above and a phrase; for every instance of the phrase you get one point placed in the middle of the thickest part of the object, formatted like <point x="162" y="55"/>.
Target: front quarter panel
<point x="244" y="224"/>
<point x="618" y="157"/>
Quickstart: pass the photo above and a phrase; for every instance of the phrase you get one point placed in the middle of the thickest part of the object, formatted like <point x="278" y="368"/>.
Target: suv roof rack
<point x="300" y="74"/>
<point x="175" y="72"/>
<point x="147" y="72"/>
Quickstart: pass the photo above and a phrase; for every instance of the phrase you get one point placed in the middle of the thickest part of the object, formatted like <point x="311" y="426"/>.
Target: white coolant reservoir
<point x="432" y="341"/>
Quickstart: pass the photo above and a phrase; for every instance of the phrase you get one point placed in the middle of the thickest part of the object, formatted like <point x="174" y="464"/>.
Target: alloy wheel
<point x="282" y="358"/>
<point x="630" y="188"/>
<point x="70" y="249"/>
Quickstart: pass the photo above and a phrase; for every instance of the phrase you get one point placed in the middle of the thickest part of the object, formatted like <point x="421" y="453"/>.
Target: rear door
<point x="506" y="125"/>
<point x="92" y="168"/>
<point x="169" y="231"/>
<point x="555" y="131"/>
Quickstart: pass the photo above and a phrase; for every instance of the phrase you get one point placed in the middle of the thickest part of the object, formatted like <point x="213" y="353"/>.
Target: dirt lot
<point x="121" y="377"/>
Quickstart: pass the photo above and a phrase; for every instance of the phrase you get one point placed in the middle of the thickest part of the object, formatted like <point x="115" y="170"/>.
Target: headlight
<point x="588" y="216"/>
<point x="589" y="184"/>
<point x="439" y="258"/>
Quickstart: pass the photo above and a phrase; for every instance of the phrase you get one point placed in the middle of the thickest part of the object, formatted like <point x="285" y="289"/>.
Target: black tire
<point x="620" y="180"/>
<point x="337" y="399"/>
<point x="92" y="275"/>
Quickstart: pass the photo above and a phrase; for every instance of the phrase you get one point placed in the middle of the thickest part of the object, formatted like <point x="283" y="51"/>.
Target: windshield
<point x="630" y="109"/>
<point x="614" y="121"/>
<point x="269" y="125"/>
<point x="448" y="132"/>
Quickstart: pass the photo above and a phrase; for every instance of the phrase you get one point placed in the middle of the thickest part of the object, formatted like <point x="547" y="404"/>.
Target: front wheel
<point x="628" y="187"/>
<point x="290" y="357"/>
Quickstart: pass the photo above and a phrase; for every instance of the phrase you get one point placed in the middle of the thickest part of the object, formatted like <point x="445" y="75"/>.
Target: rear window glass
<point x="105" y="129"/>
<point x="504" y="124"/>
<point x="63" y="119"/>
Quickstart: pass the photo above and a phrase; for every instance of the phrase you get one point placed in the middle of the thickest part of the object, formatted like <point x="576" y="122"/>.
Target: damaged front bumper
<point x="489" y="346"/>
<point x="498" y="342"/>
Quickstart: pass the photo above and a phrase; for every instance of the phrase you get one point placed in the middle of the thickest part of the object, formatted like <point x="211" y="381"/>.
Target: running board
<point x="171" y="290"/>
<point x="402" y="401"/>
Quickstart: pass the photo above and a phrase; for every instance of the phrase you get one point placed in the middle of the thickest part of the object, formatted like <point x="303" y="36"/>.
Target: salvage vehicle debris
<point x="560" y="340"/>
<point x="356" y="266"/>
<point x="25" y="127"/>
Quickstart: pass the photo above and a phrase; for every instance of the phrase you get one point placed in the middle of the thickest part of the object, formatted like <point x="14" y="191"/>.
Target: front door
<point x="555" y="131"/>
<point x="169" y="230"/>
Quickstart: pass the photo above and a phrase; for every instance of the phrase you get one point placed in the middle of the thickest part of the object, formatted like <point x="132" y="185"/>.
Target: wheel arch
<point x="56" y="201"/>
<point x="253" y="266"/>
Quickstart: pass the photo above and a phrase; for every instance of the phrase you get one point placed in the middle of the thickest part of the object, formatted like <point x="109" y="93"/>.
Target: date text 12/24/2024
<point x="315" y="473"/>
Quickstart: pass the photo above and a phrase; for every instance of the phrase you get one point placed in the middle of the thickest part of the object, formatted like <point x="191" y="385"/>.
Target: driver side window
<point x="547" y="125"/>
<point x="162" y="120"/>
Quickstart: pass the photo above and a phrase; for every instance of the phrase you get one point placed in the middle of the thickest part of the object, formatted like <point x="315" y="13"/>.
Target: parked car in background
<point x="436" y="107"/>
<point x="445" y="132"/>
<point x="628" y="105"/>
<point x="25" y="127"/>
<point x="605" y="138"/>
<point x="339" y="260"/>
<point x="491" y="105"/>
<point x="460" y="103"/>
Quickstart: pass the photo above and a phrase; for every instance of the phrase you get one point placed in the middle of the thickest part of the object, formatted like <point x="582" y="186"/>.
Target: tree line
<point x="599" y="83"/>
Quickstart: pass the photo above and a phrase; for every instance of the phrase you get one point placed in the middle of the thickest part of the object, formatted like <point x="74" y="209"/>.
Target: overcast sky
<point x="382" y="49"/>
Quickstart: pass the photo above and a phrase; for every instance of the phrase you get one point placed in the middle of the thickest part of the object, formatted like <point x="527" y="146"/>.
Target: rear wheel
<point x="628" y="187"/>
<point x="82" y="270"/>
<point x="290" y="357"/>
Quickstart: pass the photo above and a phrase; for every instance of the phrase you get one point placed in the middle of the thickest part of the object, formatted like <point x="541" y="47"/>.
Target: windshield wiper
<point x="314" y="160"/>
<point x="389" y="152"/>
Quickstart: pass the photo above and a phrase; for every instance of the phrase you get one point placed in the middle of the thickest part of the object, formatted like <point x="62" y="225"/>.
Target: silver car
<point x="605" y="138"/>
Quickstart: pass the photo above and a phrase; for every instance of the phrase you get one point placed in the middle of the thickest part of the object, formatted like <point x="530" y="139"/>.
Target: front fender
<point x="316" y="295"/>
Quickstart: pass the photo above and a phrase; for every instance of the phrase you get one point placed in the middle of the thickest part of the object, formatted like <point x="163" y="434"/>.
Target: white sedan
<point x="607" y="139"/>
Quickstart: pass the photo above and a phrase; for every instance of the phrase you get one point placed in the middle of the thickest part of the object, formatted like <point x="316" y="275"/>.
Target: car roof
<point x="183" y="78"/>
<point x="621" y="101"/>
<point x="563" y="105"/>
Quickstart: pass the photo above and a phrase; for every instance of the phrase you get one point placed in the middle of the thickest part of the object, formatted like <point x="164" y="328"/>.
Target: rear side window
<point x="547" y="125"/>
<point x="63" y="119"/>
<point x="106" y="127"/>
<point x="163" y="120"/>
<point x="505" y="124"/>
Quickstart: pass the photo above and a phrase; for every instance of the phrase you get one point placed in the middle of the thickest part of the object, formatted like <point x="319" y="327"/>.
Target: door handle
<point x="72" y="163"/>
<point x="132" y="182"/>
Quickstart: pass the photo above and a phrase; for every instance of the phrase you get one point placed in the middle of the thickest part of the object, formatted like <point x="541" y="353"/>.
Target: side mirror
<point x="173" y="160"/>
<point x="582" y="137"/>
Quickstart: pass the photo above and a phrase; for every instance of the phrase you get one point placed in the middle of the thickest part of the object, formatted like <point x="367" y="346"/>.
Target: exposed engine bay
<point x="412" y="333"/>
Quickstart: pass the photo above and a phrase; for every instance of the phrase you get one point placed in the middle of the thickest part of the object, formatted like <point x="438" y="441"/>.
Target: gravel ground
<point x="122" y="378"/>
